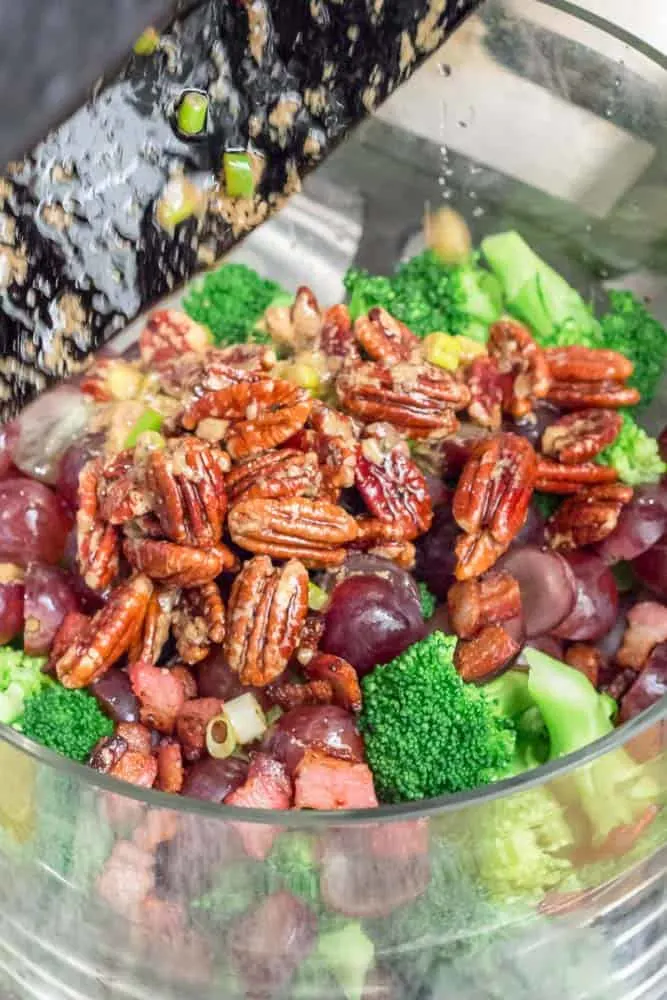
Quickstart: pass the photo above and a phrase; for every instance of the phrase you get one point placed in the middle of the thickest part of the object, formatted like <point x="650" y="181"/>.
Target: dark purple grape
<point x="532" y="532"/>
<point x="47" y="427"/>
<point x="215" y="679"/>
<point x="33" y="525"/>
<point x="437" y="490"/>
<point x="12" y="591"/>
<point x="640" y="524"/>
<point x="212" y="780"/>
<point x="546" y="644"/>
<point x="596" y="604"/>
<point x="610" y="642"/>
<point x="115" y="696"/>
<point x="534" y="425"/>
<point x="324" y="727"/>
<point x="48" y="598"/>
<point x="649" y="687"/>
<point x="370" y="621"/>
<point x="651" y="567"/>
<point x="362" y="564"/>
<point x="436" y="557"/>
<point x="547" y="584"/>
<point x="71" y="464"/>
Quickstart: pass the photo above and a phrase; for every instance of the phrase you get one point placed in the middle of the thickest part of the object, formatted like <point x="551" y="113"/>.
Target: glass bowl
<point x="534" y="116"/>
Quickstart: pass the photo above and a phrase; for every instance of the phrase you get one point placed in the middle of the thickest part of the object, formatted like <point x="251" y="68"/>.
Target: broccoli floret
<point x="292" y="865"/>
<point x="428" y="296"/>
<point x="235" y="889"/>
<point x="538" y="295"/>
<point x="67" y="721"/>
<point x="634" y="454"/>
<point x="427" y="600"/>
<point x="546" y="503"/>
<point x="230" y="302"/>
<point x="348" y="953"/>
<point x="426" y="731"/>
<point x="21" y="677"/>
<point x="612" y="790"/>
<point x="628" y="327"/>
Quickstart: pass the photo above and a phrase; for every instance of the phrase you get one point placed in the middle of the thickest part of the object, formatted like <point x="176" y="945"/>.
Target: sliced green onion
<point x="246" y="718"/>
<point x="220" y="737"/>
<point x="239" y="176"/>
<point x="317" y="598"/>
<point x="147" y="43"/>
<point x="273" y="714"/>
<point x="150" y="420"/>
<point x="179" y="200"/>
<point x="192" y="112"/>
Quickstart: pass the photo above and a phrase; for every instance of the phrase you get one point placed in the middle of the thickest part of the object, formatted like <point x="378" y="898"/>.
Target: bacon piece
<point x="324" y="782"/>
<point x="266" y="787"/>
<point x="160" y="693"/>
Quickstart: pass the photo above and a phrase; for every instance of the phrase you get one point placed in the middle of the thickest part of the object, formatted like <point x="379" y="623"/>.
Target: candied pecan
<point x="310" y="530"/>
<point x="186" y="481"/>
<point x="284" y="473"/>
<point x="581" y="436"/>
<point x="178" y="565"/>
<point x="473" y="604"/>
<point x="393" y="488"/>
<point x="297" y="326"/>
<point x="384" y="338"/>
<point x="371" y="531"/>
<point x="191" y="724"/>
<point x="253" y="357"/>
<point x="480" y="658"/>
<point x="586" y="659"/>
<point x="333" y="437"/>
<point x="311" y="633"/>
<point x="107" y="752"/>
<point x="170" y="333"/>
<point x="74" y="627"/>
<point x="485" y="383"/>
<point x="340" y="675"/>
<point x="154" y="632"/>
<point x="121" y="495"/>
<point x="199" y="621"/>
<point x="289" y="694"/>
<point x="403" y="554"/>
<point x="517" y="355"/>
<point x="587" y="517"/>
<point x="587" y="364"/>
<point x="647" y="627"/>
<point x="420" y="399"/>
<point x="552" y="477"/>
<point x="97" y="541"/>
<point x="491" y="500"/>
<point x="598" y="395"/>
<point x="170" y="772"/>
<point x="110" y="633"/>
<point x="337" y="340"/>
<point x="267" y="610"/>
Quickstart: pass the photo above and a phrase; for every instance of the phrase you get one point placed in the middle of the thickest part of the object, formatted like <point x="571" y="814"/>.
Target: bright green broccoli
<point x="292" y="865"/>
<point x="230" y="301"/>
<point x="428" y="296"/>
<point x="634" y="454"/>
<point x="512" y="699"/>
<point x="348" y="953"/>
<point x="612" y="790"/>
<point x="427" y="600"/>
<point x="21" y="677"/>
<point x="67" y="721"/>
<point x="628" y="327"/>
<point x="426" y="731"/>
<point x="538" y="295"/>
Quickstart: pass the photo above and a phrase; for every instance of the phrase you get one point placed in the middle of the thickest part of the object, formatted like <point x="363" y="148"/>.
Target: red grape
<point x="436" y="557"/>
<point x="213" y="780"/>
<point x="454" y="451"/>
<point x="596" y="604"/>
<point x="11" y="602"/>
<point x="641" y="523"/>
<point x="115" y="696"/>
<point x="71" y="464"/>
<point x="9" y="435"/>
<point x="48" y="598"/>
<point x="534" y="425"/>
<point x="47" y="427"/>
<point x="547" y="584"/>
<point x="532" y="532"/>
<point x="33" y="524"/>
<point x="362" y="564"/>
<point x="370" y="621"/>
<point x="546" y="644"/>
<point x="651" y="567"/>
<point x="437" y="490"/>
<point x="324" y="727"/>
<point x="650" y="686"/>
<point x="662" y="444"/>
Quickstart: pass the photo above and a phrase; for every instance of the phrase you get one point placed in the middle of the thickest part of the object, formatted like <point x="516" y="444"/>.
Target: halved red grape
<point x="71" y="463"/>
<point x="651" y="567"/>
<point x="9" y="435"/>
<point x="115" y="696"/>
<point x="370" y="621"/>
<point x="547" y="586"/>
<point x="596" y="604"/>
<point x="11" y="602"/>
<point x="640" y="524"/>
<point x="48" y="598"/>
<point x="436" y="557"/>
<point x="328" y="728"/>
<point x="212" y="779"/>
<point x="532" y="532"/>
<point x="650" y="686"/>
<point x="33" y="524"/>
<point x="363" y="564"/>
<point x="455" y="449"/>
<point x="437" y="490"/>
<point x="47" y="426"/>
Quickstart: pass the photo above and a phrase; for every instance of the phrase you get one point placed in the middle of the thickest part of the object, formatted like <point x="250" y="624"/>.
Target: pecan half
<point x="587" y="364"/>
<point x="333" y="437"/>
<point x="586" y="659"/>
<point x="156" y="626"/>
<point x="178" y="565"/>
<point x="291" y="694"/>
<point x="97" y="541"/>
<point x="110" y="633"/>
<point x="311" y="530"/>
<point x="517" y="355"/>
<point x="587" y="517"/>
<point x="481" y="658"/>
<point x="602" y="395"/>
<point x="267" y="611"/>
<point x="485" y="383"/>
<point x="297" y="326"/>
<point x="340" y="675"/>
<point x="403" y="554"/>
<point x="581" y="436"/>
<point x="418" y="399"/>
<point x="473" y="604"/>
<point x="337" y="340"/>
<point x="552" y="477"/>
<point x="393" y="488"/>
<point x="491" y="500"/>
<point x="186" y="481"/>
<point x="168" y="334"/>
<point x="199" y="621"/>
<point x="273" y="474"/>
<point x="120" y="491"/>
<point x="384" y="338"/>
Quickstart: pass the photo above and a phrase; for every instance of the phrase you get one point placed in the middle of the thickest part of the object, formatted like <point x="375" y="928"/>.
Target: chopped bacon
<point x="170" y="767"/>
<point x="136" y="736"/>
<point x="324" y="782"/>
<point x="192" y="722"/>
<point x="266" y="787"/>
<point x="161" y="695"/>
<point x="136" y="768"/>
<point x="647" y="626"/>
<point x="127" y="877"/>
